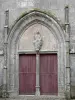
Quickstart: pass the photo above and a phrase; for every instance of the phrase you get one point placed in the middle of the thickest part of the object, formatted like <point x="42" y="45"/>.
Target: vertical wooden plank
<point x="48" y="74"/>
<point x="27" y="74"/>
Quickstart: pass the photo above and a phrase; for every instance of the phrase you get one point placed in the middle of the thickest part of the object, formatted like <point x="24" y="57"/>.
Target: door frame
<point x="16" y="32"/>
<point x="40" y="52"/>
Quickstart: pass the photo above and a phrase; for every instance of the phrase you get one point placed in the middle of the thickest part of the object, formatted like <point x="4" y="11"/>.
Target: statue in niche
<point x="37" y="41"/>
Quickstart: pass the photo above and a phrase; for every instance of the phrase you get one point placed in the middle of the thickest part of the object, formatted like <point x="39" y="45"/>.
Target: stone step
<point x="35" y="98"/>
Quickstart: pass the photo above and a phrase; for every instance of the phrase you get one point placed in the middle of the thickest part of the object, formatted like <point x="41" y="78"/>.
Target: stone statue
<point x="37" y="41"/>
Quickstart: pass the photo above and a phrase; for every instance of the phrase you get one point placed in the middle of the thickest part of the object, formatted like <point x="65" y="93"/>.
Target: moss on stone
<point x="49" y="13"/>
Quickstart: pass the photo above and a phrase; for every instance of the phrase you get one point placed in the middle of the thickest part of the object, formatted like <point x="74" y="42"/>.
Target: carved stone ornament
<point x="37" y="41"/>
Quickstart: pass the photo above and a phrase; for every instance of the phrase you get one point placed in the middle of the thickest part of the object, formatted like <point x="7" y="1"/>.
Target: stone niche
<point x="27" y="38"/>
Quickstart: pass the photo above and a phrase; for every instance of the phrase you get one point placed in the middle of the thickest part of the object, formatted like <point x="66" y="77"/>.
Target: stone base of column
<point x="5" y="94"/>
<point x="68" y="95"/>
<point x="37" y="90"/>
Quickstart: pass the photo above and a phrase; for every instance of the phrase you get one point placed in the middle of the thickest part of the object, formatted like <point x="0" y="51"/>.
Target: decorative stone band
<point x="37" y="86"/>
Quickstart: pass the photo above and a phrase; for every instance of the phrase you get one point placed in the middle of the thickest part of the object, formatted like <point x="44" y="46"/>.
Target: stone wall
<point x="17" y="7"/>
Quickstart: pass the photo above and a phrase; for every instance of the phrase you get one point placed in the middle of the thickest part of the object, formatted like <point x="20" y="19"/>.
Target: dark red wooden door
<point x="27" y="75"/>
<point x="48" y="74"/>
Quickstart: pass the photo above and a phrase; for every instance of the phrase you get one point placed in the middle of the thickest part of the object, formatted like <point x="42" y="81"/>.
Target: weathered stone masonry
<point x="12" y="46"/>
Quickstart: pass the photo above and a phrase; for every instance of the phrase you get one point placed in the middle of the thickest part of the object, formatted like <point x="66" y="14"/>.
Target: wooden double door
<point x="48" y="77"/>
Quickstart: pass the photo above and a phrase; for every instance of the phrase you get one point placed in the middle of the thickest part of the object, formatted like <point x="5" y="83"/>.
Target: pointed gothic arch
<point x="23" y="24"/>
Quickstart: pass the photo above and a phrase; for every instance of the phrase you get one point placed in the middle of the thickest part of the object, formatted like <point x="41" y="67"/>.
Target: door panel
<point x="48" y="74"/>
<point x="27" y="75"/>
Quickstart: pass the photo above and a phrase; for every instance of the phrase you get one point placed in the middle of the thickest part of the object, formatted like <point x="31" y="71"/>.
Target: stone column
<point x="5" y="94"/>
<point x="37" y="73"/>
<point x="37" y="45"/>
<point x="67" y="30"/>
